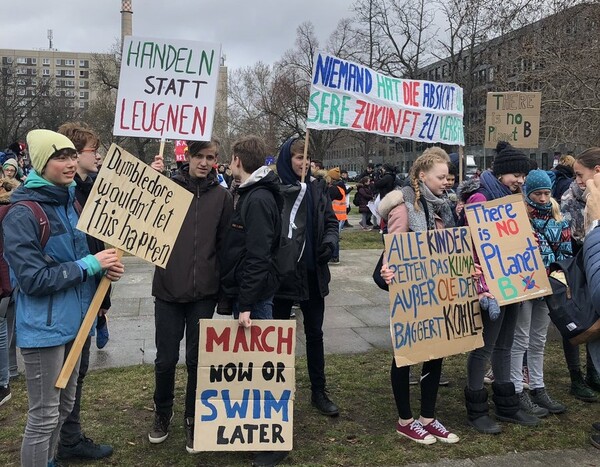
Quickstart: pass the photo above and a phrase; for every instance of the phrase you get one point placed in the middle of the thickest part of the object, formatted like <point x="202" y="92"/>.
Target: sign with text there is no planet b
<point x="245" y="390"/>
<point x="508" y="250"/>
<point x="167" y="89"/>
<point x="513" y="117"/>
<point x="434" y="308"/>
<point x="346" y="95"/>
<point x="135" y="208"/>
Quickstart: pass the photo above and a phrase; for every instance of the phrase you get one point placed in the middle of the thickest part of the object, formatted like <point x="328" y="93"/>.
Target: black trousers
<point x="172" y="320"/>
<point x="313" y="311"/>
<point x="430" y="380"/>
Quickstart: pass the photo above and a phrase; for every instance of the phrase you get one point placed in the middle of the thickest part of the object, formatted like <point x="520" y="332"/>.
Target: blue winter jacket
<point x="52" y="296"/>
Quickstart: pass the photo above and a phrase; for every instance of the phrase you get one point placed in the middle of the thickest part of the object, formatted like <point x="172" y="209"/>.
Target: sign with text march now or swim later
<point x="167" y="88"/>
<point x="346" y="95"/>
<point x="508" y="250"/>
<point x="246" y="384"/>
<point x="434" y="308"/>
<point x="135" y="208"/>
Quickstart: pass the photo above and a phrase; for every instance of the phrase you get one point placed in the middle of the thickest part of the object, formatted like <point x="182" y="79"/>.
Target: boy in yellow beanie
<point x="56" y="286"/>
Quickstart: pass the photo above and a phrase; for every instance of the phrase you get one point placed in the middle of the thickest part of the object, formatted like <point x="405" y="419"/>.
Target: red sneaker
<point x="415" y="432"/>
<point x="438" y="430"/>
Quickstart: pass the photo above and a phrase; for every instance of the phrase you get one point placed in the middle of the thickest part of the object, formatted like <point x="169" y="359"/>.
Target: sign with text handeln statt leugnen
<point x="167" y="88"/>
<point x="246" y="383"/>
<point x="135" y="208"/>
<point x="508" y="250"/>
<point x="434" y="306"/>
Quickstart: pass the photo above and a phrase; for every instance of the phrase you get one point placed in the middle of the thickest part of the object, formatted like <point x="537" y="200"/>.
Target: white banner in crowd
<point x="167" y="88"/>
<point x="346" y="95"/>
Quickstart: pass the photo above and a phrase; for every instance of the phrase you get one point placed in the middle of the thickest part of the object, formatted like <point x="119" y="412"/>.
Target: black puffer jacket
<point x="193" y="270"/>
<point x="248" y="257"/>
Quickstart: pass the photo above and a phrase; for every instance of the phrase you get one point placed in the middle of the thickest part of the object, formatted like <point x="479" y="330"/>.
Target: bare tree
<point x="101" y="113"/>
<point x="24" y="98"/>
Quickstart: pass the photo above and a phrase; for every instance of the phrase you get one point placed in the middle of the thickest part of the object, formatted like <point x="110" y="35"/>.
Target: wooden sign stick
<point x="461" y="155"/>
<point x="305" y="160"/>
<point x="84" y="330"/>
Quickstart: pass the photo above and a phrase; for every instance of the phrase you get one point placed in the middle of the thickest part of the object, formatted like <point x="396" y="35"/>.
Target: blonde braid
<point x="415" y="186"/>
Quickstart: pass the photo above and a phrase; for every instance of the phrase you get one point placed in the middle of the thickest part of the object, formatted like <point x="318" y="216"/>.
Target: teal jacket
<point x="52" y="291"/>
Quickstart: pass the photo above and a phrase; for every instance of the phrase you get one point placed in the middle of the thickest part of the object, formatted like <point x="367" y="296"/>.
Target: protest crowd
<point x="232" y="269"/>
<point x="233" y="235"/>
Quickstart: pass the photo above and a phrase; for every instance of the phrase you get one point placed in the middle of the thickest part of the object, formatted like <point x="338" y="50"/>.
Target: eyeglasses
<point x="92" y="150"/>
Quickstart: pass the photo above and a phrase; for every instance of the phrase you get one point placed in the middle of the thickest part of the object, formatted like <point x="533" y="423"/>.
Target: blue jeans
<point x="3" y="352"/>
<point x="261" y="310"/>
<point x="48" y="405"/>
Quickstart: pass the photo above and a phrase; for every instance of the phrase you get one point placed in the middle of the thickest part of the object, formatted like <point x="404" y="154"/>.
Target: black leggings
<point x="430" y="380"/>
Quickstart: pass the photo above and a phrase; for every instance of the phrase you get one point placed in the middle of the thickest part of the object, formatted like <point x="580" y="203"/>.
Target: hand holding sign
<point x="244" y="319"/>
<point x="158" y="163"/>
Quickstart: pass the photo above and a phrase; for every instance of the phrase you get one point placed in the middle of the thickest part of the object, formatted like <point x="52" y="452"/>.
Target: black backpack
<point x="570" y="305"/>
<point x="356" y="199"/>
<point x="293" y="229"/>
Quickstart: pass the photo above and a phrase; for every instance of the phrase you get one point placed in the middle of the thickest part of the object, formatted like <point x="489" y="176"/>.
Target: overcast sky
<point x="249" y="31"/>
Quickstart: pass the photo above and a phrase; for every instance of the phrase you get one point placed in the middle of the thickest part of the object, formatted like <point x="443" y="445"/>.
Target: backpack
<point x="570" y="305"/>
<point x="293" y="228"/>
<point x="44" y="224"/>
<point x="356" y="199"/>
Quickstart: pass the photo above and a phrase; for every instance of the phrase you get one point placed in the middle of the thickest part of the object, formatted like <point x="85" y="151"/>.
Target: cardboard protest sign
<point x="135" y="208"/>
<point x="350" y="96"/>
<point x="508" y="250"/>
<point x="513" y="117"/>
<point x="434" y="308"/>
<point x="246" y="383"/>
<point x="167" y="88"/>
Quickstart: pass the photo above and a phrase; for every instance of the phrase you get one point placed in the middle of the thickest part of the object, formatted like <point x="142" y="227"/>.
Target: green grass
<point x="360" y="239"/>
<point x="117" y="410"/>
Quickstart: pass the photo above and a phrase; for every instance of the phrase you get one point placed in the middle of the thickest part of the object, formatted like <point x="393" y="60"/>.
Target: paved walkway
<point x="356" y="317"/>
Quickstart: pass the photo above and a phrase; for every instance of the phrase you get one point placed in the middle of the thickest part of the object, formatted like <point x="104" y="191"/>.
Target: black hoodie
<point x="321" y="232"/>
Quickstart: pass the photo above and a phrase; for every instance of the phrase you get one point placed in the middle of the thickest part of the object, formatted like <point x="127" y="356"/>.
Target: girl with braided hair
<point x="419" y="207"/>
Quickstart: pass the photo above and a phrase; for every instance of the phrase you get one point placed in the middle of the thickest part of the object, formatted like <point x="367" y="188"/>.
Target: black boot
<point x="580" y="389"/>
<point x="324" y="404"/>
<point x="477" y="412"/>
<point x="507" y="406"/>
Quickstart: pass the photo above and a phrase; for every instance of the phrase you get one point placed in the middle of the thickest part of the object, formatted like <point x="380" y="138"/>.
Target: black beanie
<point x="509" y="160"/>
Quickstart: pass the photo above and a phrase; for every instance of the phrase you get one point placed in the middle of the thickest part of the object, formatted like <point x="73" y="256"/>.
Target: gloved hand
<point x="491" y="306"/>
<point x="324" y="253"/>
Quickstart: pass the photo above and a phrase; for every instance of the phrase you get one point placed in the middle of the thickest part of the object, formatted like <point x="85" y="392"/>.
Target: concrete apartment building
<point x="69" y="74"/>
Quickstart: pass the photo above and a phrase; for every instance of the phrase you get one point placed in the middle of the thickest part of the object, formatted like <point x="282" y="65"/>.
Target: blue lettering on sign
<point x="410" y="299"/>
<point x="239" y="409"/>
<point x="204" y="400"/>
<point x="339" y="74"/>
<point x="512" y="264"/>
<point x="407" y="334"/>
